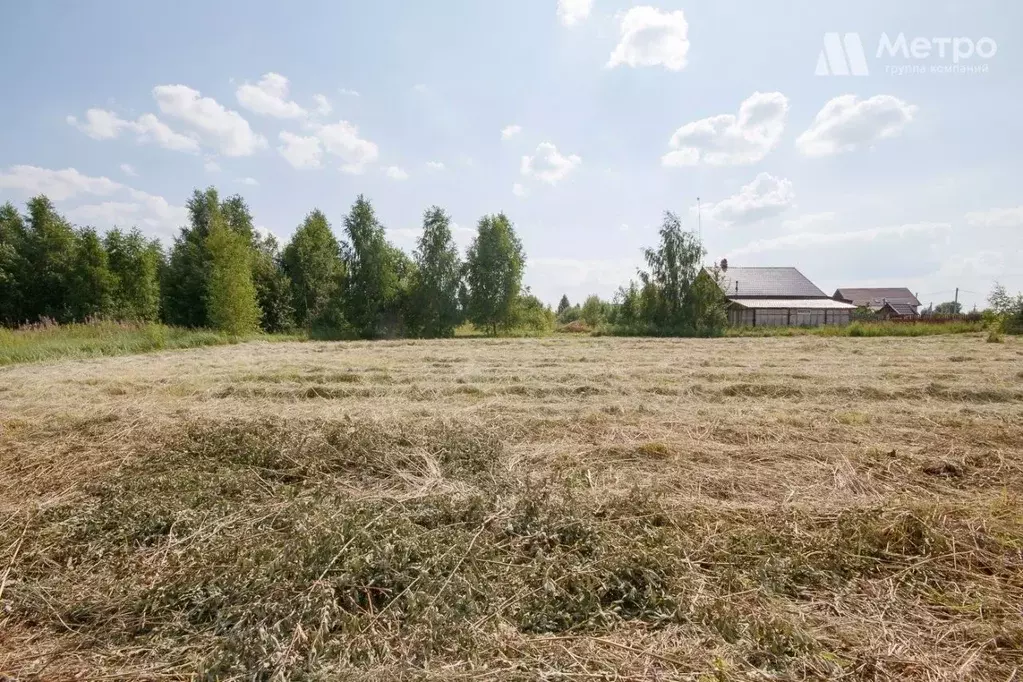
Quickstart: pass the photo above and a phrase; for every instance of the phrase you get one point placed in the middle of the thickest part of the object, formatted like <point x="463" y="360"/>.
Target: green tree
<point x="529" y="313"/>
<point x="371" y="289"/>
<point x="135" y="264"/>
<point x="949" y="308"/>
<point x="231" y="296"/>
<point x="435" y="310"/>
<point x="186" y="277"/>
<point x="48" y="259"/>
<point x="91" y="293"/>
<point x="312" y="260"/>
<point x="563" y="305"/>
<point x="594" y="311"/>
<point x="494" y="268"/>
<point x="273" y="287"/>
<point x="12" y="267"/>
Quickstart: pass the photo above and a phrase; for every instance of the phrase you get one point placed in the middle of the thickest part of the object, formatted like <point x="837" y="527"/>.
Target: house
<point x="903" y="302"/>
<point x="776" y="297"/>
<point x="896" y="311"/>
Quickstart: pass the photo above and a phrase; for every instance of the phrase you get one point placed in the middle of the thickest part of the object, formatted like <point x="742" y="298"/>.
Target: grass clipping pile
<point x="265" y="548"/>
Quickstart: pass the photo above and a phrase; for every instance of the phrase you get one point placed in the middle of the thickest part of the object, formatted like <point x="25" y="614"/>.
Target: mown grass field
<point x="568" y="508"/>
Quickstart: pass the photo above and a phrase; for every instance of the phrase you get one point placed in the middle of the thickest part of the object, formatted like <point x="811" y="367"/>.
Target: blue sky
<point x="582" y="120"/>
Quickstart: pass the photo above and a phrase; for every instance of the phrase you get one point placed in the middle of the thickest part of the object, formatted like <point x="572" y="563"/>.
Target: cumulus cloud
<point x="548" y="164"/>
<point x="396" y="173"/>
<point x="571" y="12"/>
<point x="348" y="93"/>
<point x="765" y="197"/>
<point x="846" y="123"/>
<point x="218" y="126"/>
<point x="651" y="37"/>
<point x="730" y="139"/>
<point x="510" y="131"/>
<point x="251" y="182"/>
<point x="269" y="97"/>
<point x="342" y="140"/>
<point x="210" y="165"/>
<point x="127" y="206"/>
<point x="519" y="190"/>
<point x="323" y="106"/>
<point x="128" y="169"/>
<point x="100" y="124"/>
<point x="435" y="165"/>
<point x="999" y="218"/>
<point x="299" y="150"/>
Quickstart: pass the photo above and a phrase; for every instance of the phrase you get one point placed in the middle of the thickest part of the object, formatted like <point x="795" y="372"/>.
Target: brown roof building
<point x="903" y="302"/>
<point x="776" y="297"/>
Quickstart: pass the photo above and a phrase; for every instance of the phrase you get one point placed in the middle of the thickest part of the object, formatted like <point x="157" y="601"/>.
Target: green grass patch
<point x="72" y="341"/>
<point x="863" y="329"/>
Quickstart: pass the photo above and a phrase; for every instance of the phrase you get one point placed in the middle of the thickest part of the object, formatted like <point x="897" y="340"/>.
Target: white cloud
<point x="813" y="239"/>
<point x="510" y="131"/>
<point x="519" y="190"/>
<point x="251" y="182"/>
<point x="300" y="151"/>
<point x="342" y="140"/>
<point x="420" y="88"/>
<point x="134" y="208"/>
<point x="571" y="12"/>
<point x="348" y="93"/>
<point x="548" y="164"/>
<point x="128" y="169"/>
<point x="996" y="218"/>
<point x="269" y="97"/>
<point x="846" y="123"/>
<point x="211" y="166"/>
<point x="765" y="197"/>
<point x="807" y="220"/>
<point x="323" y="106"/>
<point x="396" y="173"/>
<point x="728" y="139"/>
<point x="58" y="185"/>
<point x="222" y="128"/>
<point x="100" y="124"/>
<point x="435" y="165"/>
<point x="650" y="37"/>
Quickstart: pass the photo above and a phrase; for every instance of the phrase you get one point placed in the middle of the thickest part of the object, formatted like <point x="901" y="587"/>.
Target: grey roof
<point x="815" y="303"/>
<point x="901" y="308"/>
<point x="768" y="283"/>
<point x="875" y="297"/>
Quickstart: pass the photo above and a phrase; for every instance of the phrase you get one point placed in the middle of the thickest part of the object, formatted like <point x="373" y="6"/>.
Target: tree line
<point x="221" y="273"/>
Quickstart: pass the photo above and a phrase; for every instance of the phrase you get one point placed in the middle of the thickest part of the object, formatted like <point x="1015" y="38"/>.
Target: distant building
<point x="776" y="297"/>
<point x="902" y="301"/>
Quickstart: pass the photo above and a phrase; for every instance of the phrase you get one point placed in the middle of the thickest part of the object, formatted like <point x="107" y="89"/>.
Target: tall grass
<point x="83" y="340"/>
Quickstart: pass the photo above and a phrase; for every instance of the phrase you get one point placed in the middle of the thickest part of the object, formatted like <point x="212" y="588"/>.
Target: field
<point x="517" y="509"/>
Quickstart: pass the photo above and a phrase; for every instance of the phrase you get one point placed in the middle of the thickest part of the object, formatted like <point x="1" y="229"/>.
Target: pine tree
<point x="91" y="294"/>
<point x="563" y="304"/>
<point x="372" y="285"/>
<point x="312" y="260"/>
<point x="494" y="273"/>
<point x="434" y="309"/>
<point x="231" y="296"/>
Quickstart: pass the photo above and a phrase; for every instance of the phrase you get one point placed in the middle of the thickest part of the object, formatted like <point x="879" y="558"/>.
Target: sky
<point x="867" y="144"/>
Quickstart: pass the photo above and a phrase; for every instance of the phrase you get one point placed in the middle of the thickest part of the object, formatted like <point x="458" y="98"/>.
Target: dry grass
<point x="546" y="509"/>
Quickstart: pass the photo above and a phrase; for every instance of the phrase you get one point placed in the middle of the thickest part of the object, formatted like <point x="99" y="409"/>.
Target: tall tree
<point x="563" y="304"/>
<point x="231" y="296"/>
<point x="494" y="273"/>
<point x="135" y="265"/>
<point x="273" y="287"/>
<point x="372" y="285"/>
<point x="312" y="259"/>
<point x="434" y="309"/>
<point x="12" y="268"/>
<point x="49" y="256"/>
<point x="949" y="308"/>
<point x="186" y="277"/>
<point x="91" y="293"/>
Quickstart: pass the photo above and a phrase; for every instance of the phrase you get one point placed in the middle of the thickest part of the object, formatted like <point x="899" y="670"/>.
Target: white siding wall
<point x="781" y="317"/>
